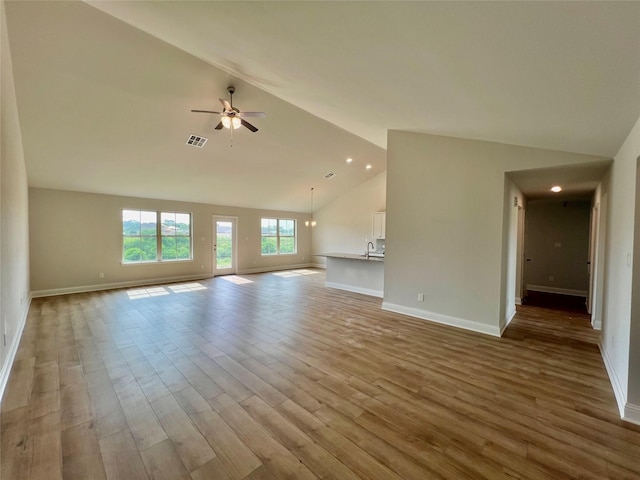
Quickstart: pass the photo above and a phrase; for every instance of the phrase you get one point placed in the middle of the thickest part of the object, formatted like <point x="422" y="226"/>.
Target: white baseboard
<point x="518" y="301"/>
<point x="351" y="288"/>
<point x="508" y="320"/>
<point x="563" y="291"/>
<point x="13" y="349"/>
<point x="111" y="286"/>
<point x="443" y="319"/>
<point x="596" y="324"/>
<point x="615" y="382"/>
<point x="632" y="413"/>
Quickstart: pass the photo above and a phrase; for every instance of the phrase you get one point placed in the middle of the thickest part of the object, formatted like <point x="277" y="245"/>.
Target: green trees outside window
<point x="278" y="236"/>
<point x="155" y="236"/>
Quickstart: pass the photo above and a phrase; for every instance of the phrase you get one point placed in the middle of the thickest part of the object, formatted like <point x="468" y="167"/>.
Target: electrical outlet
<point x="421" y="297"/>
<point x="551" y="278"/>
<point x="101" y="274"/>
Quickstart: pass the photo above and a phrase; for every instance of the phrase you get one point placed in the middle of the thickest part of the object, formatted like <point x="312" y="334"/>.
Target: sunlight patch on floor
<point x="294" y="273"/>
<point x="235" y="279"/>
<point x="187" y="287"/>
<point x="146" y="292"/>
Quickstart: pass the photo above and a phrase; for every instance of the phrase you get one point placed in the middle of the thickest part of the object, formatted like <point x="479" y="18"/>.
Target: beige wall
<point x="346" y="223"/>
<point x="446" y="219"/>
<point x="14" y="233"/>
<point x="75" y="236"/>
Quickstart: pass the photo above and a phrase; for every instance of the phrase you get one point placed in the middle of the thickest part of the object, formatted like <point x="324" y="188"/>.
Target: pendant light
<point x="311" y="222"/>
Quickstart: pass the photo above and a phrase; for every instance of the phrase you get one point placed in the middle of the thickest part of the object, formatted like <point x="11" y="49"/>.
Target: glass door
<point x="224" y="245"/>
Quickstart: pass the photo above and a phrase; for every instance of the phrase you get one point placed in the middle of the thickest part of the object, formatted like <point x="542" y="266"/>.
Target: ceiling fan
<point x="231" y="117"/>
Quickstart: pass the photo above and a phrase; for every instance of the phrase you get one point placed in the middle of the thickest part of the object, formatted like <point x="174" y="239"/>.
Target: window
<point x="278" y="236"/>
<point x="155" y="236"/>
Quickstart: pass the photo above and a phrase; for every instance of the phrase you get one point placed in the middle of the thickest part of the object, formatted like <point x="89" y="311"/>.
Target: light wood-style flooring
<point x="275" y="376"/>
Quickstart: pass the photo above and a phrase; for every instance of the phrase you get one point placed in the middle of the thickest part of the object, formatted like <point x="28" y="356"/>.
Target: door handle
<point x="528" y="259"/>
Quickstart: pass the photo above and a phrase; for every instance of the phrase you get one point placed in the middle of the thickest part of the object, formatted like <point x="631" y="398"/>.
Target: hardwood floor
<point x="274" y="376"/>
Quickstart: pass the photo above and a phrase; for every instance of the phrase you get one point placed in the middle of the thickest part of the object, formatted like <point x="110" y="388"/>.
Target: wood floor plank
<point x="121" y="458"/>
<point x="315" y="457"/>
<point x="346" y="451"/>
<point x="191" y="446"/>
<point x="163" y="463"/>
<point x="107" y="413"/>
<point x="280" y="461"/>
<point x="140" y="417"/>
<point x="281" y="377"/>
<point x="233" y="453"/>
<point x="81" y="455"/>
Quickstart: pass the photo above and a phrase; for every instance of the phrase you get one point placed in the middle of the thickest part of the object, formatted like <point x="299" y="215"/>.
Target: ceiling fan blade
<point x="205" y="111"/>
<point x="218" y="126"/>
<point x="253" y="114"/>
<point x="248" y="125"/>
<point x="225" y="104"/>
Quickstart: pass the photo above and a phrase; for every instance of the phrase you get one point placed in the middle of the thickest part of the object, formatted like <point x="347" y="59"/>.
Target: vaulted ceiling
<point x="105" y="89"/>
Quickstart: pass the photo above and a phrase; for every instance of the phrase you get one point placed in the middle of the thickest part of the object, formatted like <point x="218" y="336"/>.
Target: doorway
<point x="558" y="247"/>
<point x="224" y="245"/>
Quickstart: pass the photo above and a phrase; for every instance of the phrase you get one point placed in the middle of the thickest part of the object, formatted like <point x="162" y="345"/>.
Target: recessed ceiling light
<point x="368" y="167"/>
<point x="556" y="189"/>
<point x="349" y="160"/>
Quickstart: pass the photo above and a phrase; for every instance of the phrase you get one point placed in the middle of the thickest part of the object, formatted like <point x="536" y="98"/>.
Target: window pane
<point x="148" y="221"/>
<point x="269" y="226"/>
<point x="131" y="251"/>
<point x="168" y="223"/>
<point x="287" y="228"/>
<point x="148" y="248"/>
<point x="183" y="224"/>
<point x="130" y="222"/>
<point x="183" y="245"/>
<point x="269" y="245"/>
<point x="287" y="245"/>
<point x="169" y="248"/>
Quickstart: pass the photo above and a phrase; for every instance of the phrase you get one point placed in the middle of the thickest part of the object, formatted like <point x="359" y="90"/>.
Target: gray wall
<point x="14" y="227"/>
<point x="621" y="309"/>
<point x="557" y="244"/>
<point x="450" y="224"/>
<point x="75" y="236"/>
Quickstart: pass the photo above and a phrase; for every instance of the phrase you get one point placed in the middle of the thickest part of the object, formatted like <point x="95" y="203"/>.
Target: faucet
<point x="372" y="248"/>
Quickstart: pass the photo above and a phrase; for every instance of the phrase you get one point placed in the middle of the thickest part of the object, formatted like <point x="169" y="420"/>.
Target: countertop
<point x="351" y="256"/>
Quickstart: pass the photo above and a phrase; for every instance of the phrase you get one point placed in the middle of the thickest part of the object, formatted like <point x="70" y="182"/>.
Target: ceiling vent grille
<point x="196" y="141"/>
<point x="329" y="175"/>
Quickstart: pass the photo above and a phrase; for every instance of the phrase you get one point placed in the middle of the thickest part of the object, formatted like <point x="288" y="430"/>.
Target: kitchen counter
<point x="352" y="256"/>
<point x="355" y="273"/>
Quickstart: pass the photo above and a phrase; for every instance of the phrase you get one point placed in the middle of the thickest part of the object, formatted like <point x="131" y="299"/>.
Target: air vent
<point x="329" y="175"/>
<point x="196" y="141"/>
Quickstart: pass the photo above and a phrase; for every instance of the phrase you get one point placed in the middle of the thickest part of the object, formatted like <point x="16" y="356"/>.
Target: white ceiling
<point x="105" y="107"/>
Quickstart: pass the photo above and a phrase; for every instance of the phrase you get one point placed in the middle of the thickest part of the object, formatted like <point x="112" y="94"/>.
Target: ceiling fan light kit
<point x="231" y="117"/>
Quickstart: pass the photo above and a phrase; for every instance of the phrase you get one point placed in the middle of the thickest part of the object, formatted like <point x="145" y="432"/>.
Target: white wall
<point x="513" y="201"/>
<point x="618" y="266"/>
<point x="446" y="226"/>
<point x="344" y="224"/>
<point x="600" y="205"/>
<point x="14" y="232"/>
<point x="75" y="236"/>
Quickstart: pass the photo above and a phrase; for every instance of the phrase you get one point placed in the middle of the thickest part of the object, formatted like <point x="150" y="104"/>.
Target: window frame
<point x="159" y="236"/>
<point x="278" y="236"/>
